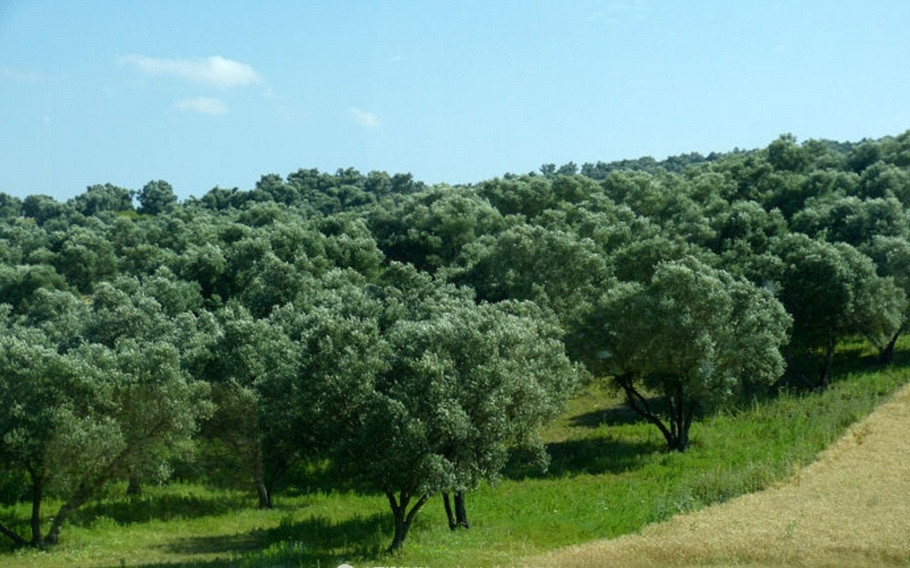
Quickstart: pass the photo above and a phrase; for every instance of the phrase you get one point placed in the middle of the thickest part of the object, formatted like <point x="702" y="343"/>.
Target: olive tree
<point x="833" y="290"/>
<point x="492" y="375"/>
<point x="37" y="385"/>
<point x="692" y="334"/>
<point x="239" y="357"/>
<point x="892" y="258"/>
<point x="94" y="390"/>
<point x="415" y="389"/>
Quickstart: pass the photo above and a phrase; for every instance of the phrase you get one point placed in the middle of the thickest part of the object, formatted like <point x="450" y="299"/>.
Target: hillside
<point x="375" y="338"/>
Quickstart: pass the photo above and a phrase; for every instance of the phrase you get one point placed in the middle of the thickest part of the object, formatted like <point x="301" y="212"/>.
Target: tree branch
<point x="18" y="540"/>
<point x="639" y="404"/>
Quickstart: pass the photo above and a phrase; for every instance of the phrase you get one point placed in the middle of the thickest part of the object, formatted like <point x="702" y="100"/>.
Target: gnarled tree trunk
<point x="37" y="496"/>
<point x="681" y="413"/>
<point x="886" y="355"/>
<point x="262" y="490"/>
<point x="825" y="377"/>
<point x="83" y="492"/>
<point x="17" y="540"/>
<point x="460" y="516"/>
<point x="134" y="485"/>
<point x="402" y="516"/>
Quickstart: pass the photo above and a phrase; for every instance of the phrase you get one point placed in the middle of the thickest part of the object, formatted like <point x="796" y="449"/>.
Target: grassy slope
<point x="849" y="508"/>
<point x="609" y="477"/>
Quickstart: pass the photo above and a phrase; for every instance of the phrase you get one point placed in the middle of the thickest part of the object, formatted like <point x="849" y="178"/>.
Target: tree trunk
<point x="17" y="540"/>
<point x="453" y="524"/>
<point x="886" y="355"/>
<point x="461" y="514"/>
<point x="79" y="497"/>
<point x="134" y="487"/>
<point x="88" y="487"/>
<point x="262" y="491"/>
<point x="37" y="496"/>
<point x="402" y="517"/>
<point x="679" y="425"/>
<point x="270" y="485"/>
<point x="681" y="443"/>
<point x="680" y="420"/>
<point x="825" y="378"/>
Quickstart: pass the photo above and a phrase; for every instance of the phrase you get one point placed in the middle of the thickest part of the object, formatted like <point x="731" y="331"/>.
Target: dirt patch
<point x="849" y="508"/>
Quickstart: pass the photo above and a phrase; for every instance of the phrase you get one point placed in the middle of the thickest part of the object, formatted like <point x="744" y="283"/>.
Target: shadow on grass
<point x="313" y="542"/>
<point x="620" y="414"/>
<point x="614" y="416"/>
<point x="597" y="456"/>
<point x="592" y="456"/>
<point x="854" y="356"/>
<point x="323" y="477"/>
<point x="162" y="507"/>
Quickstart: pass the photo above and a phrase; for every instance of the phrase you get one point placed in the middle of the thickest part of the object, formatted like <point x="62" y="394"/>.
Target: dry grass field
<point x="850" y="508"/>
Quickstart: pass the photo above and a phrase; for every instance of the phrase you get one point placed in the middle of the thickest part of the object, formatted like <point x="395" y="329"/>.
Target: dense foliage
<point x="410" y="336"/>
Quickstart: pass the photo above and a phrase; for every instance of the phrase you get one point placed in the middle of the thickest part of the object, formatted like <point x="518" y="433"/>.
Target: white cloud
<point x="363" y="118"/>
<point x="20" y="76"/>
<point x="214" y="70"/>
<point x="203" y="105"/>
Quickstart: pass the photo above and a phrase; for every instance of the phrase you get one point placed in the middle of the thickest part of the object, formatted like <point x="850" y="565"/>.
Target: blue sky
<point x="205" y="94"/>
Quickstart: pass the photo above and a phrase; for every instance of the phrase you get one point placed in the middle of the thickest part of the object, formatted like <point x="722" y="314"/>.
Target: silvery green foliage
<point x="94" y="387"/>
<point x="36" y="385"/>
<point x="241" y="355"/>
<point x="833" y="290"/>
<point x="552" y="267"/>
<point x="692" y="333"/>
<point x="417" y="389"/>
<point x="892" y="259"/>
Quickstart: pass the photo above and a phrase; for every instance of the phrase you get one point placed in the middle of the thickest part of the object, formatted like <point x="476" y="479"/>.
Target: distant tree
<point x="665" y="199"/>
<point x="107" y="197"/>
<point x="552" y="267"/>
<point x="638" y="259"/>
<point x="429" y="229"/>
<point x="377" y="183"/>
<point x="207" y="266"/>
<point x="568" y="169"/>
<point x="277" y="189"/>
<point x="221" y="198"/>
<point x="528" y="196"/>
<point x="84" y="257"/>
<point x="156" y="197"/>
<point x="19" y="282"/>
<point x="10" y="207"/>
<point x="785" y="154"/>
<point x="850" y="219"/>
<point x="42" y="208"/>
<point x="749" y="223"/>
<point x="864" y="155"/>
<point x="882" y="180"/>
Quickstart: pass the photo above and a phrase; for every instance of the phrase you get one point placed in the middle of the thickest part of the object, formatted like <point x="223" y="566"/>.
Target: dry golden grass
<point x="849" y="508"/>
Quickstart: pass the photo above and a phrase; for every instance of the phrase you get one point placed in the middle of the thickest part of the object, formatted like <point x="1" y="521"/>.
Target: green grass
<point x="609" y="476"/>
